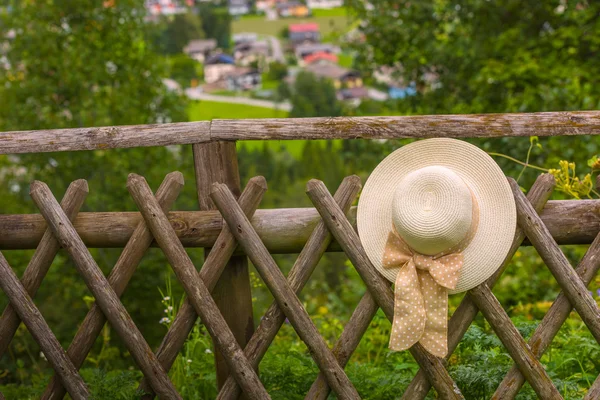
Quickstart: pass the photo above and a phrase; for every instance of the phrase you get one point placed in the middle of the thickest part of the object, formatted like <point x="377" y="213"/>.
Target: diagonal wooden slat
<point x="500" y="322"/>
<point x="105" y="296"/>
<point x="195" y="288"/>
<point x="594" y="390"/>
<point x="284" y="295"/>
<point x="378" y="286"/>
<point x="301" y="271"/>
<point x="39" y="329"/>
<point x="551" y="323"/>
<point x="575" y="290"/>
<point x="348" y="342"/>
<point x="467" y="310"/>
<point x="40" y="262"/>
<point x="210" y="273"/>
<point x="118" y="278"/>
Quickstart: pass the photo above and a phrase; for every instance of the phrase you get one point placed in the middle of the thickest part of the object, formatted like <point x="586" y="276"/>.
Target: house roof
<point x="353" y="93"/>
<point x="310" y="48"/>
<point x="308" y="27"/>
<point x="219" y="59"/>
<point x="319" y="56"/>
<point x="328" y="70"/>
<point x="200" y="46"/>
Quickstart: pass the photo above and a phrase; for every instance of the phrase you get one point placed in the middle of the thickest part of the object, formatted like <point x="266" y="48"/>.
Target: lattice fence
<point x="215" y="163"/>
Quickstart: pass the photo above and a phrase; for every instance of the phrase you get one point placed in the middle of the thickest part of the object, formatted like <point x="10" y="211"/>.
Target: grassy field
<point x="207" y="110"/>
<point x="331" y="21"/>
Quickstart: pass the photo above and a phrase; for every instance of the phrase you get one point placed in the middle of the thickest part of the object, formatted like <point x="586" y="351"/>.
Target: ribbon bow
<point x="421" y="294"/>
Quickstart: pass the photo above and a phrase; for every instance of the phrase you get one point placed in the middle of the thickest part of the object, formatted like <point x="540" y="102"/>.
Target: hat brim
<point x="497" y="212"/>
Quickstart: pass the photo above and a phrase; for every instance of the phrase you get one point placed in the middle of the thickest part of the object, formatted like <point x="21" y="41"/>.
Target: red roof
<point x="310" y="27"/>
<point x="320" y="55"/>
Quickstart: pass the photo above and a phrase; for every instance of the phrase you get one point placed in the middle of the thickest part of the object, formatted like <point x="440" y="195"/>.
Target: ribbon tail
<point x="409" y="311"/>
<point x="435" y="335"/>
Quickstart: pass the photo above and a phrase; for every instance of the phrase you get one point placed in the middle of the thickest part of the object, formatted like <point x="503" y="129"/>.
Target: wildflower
<point x="167" y="298"/>
<point x="208" y="351"/>
<point x="164" y="320"/>
<point x="598" y="292"/>
<point x="170" y="308"/>
<point x="322" y="310"/>
<point x="189" y="361"/>
<point x="166" y="311"/>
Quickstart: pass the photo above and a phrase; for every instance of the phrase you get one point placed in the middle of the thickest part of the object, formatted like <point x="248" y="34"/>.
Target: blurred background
<point x="72" y="63"/>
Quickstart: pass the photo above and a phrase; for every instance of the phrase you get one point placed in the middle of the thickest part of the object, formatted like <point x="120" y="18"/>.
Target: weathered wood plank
<point x="217" y="162"/>
<point x="299" y="274"/>
<point x="107" y="137"/>
<point x="118" y="278"/>
<point x="283" y="230"/>
<point x="378" y="286"/>
<point x="285" y="296"/>
<point x="575" y="290"/>
<point x="551" y="323"/>
<point x="40" y="262"/>
<point x="513" y="341"/>
<point x="464" y="315"/>
<point x="210" y="272"/>
<point x="195" y="288"/>
<point x="422" y="126"/>
<point x="417" y="126"/>
<point x="105" y="296"/>
<point x="39" y="329"/>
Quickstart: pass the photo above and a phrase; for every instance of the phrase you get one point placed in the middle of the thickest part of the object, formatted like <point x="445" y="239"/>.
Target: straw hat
<point x="439" y="194"/>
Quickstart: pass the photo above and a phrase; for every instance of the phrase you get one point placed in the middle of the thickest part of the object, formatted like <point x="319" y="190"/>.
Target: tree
<point x="314" y="97"/>
<point x="216" y="22"/>
<point x="277" y="71"/>
<point x="178" y="31"/>
<point x="84" y="64"/>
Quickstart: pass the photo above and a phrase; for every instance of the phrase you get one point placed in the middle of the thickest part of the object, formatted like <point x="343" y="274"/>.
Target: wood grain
<point x="118" y="278"/>
<point x="39" y="329"/>
<point x="575" y="290"/>
<point x="284" y="295"/>
<point x="210" y="272"/>
<point x="195" y="288"/>
<point x="107" y="137"/>
<point x="417" y="126"/>
<point x="421" y="126"/>
<point x="377" y="285"/>
<point x="299" y="274"/>
<point x="500" y="322"/>
<point x="283" y="230"/>
<point x="40" y="262"/>
<point x="466" y="312"/>
<point x="105" y="296"/>
<point x="551" y="323"/>
<point x="217" y="162"/>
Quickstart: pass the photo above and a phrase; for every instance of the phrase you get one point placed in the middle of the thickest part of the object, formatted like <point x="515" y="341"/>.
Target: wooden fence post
<point x="217" y="162"/>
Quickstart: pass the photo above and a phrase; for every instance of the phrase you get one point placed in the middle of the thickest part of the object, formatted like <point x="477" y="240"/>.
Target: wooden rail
<point x="283" y="230"/>
<point x="422" y="126"/>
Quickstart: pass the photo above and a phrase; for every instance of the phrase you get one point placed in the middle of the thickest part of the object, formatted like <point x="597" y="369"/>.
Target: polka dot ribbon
<point x="421" y="292"/>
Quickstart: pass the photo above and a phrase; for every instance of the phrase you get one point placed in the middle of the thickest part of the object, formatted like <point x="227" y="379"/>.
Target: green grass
<point x="345" y="60"/>
<point x="207" y="110"/>
<point x="259" y="24"/>
<point x="334" y="12"/>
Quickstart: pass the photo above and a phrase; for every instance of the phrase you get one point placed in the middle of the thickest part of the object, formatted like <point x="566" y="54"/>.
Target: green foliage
<point x="216" y="23"/>
<point x="184" y="69"/>
<point x="314" y="97"/>
<point x="277" y="71"/>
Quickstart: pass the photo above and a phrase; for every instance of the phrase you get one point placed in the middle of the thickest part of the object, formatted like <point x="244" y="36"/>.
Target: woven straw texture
<point x="497" y="213"/>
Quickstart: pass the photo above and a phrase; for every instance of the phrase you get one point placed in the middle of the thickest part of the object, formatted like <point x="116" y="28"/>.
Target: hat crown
<point x="432" y="209"/>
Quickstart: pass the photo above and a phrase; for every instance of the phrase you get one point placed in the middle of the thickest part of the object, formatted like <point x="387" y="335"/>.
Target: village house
<point x="319" y="56"/>
<point x="200" y="49"/>
<point x="243" y="78"/>
<point x="341" y="77"/>
<point x="304" y="33"/>
<point x="238" y="7"/>
<point x="217" y="66"/>
<point x="324" y="4"/>
<point x="306" y="49"/>
<point x="249" y="52"/>
<point x="292" y="9"/>
<point x="244" y="37"/>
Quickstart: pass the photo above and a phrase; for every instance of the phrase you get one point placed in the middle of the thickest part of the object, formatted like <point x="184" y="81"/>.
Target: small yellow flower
<point x="322" y="310"/>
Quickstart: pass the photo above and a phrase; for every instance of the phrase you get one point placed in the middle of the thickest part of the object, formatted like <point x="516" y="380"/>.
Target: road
<point x="277" y="52"/>
<point x="197" y="94"/>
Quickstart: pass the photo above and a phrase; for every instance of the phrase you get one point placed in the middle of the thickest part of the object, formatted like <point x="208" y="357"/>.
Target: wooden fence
<point x="261" y="233"/>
